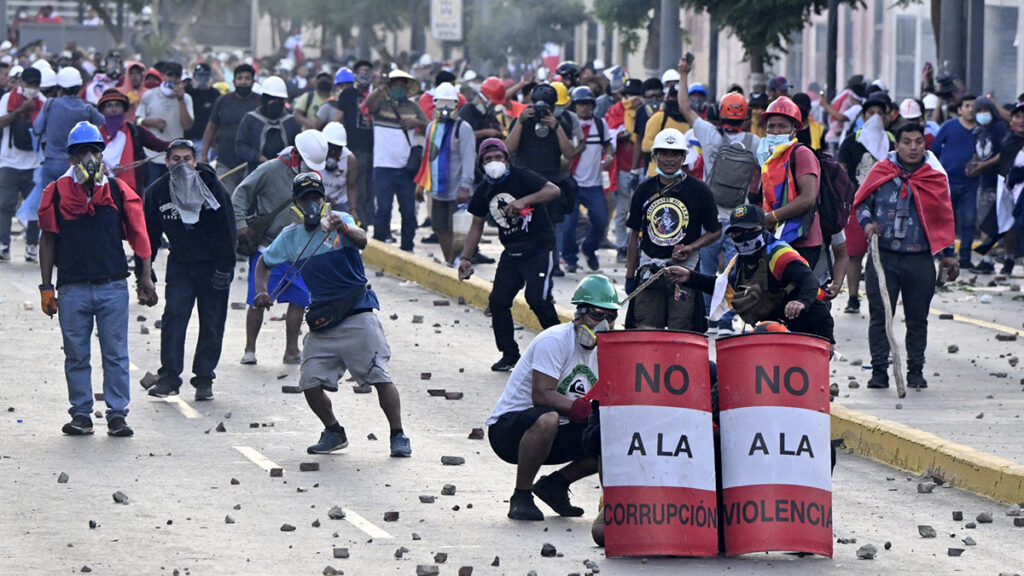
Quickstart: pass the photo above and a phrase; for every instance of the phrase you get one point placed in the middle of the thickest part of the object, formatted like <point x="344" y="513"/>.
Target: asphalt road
<point x="177" y="471"/>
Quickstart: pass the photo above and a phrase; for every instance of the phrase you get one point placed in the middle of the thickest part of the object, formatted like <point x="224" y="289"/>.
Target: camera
<point x="542" y="109"/>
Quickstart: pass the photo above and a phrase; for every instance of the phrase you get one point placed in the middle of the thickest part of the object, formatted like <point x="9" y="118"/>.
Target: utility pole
<point x="713" y="58"/>
<point x="975" y="78"/>
<point x="832" y="50"/>
<point x="670" y="47"/>
<point x="953" y="39"/>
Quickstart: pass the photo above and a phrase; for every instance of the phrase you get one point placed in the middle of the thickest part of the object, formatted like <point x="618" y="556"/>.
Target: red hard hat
<point x="733" y="107"/>
<point x="494" y="89"/>
<point x="783" y="106"/>
<point x="113" y="95"/>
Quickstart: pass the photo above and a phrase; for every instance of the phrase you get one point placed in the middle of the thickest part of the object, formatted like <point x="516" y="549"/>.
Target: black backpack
<point x="835" y="196"/>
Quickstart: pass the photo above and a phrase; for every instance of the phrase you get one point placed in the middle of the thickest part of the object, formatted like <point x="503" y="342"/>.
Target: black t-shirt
<point x="541" y="154"/>
<point x="677" y="217"/>
<point x="227" y="114"/>
<point x="478" y="120"/>
<point x="988" y="142"/>
<point x="357" y="125"/>
<point x="202" y="107"/>
<point x="518" y="237"/>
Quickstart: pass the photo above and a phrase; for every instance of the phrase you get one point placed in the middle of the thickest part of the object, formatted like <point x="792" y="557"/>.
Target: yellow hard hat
<point x="222" y="87"/>
<point x="563" y="94"/>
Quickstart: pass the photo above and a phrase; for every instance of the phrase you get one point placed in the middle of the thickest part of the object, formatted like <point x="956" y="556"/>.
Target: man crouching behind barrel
<point x="542" y="413"/>
<point x="767" y="280"/>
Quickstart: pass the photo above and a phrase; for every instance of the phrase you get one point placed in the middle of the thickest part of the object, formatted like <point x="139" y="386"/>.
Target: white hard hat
<point x="910" y="109"/>
<point x="274" y="86"/>
<point x="257" y="88"/>
<point x="399" y="74"/>
<point x="469" y="76"/>
<point x="930" y="101"/>
<point x="286" y="64"/>
<point x="425" y="60"/>
<point x="48" y="79"/>
<point x="5" y="45"/>
<point x="670" y="75"/>
<point x="336" y="134"/>
<point x="69" y="77"/>
<point x="670" y="139"/>
<point x="15" y="71"/>
<point x="445" y="91"/>
<point x="312" y="147"/>
<point x="42" y="64"/>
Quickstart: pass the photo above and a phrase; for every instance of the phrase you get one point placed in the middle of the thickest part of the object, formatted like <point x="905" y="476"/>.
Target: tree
<point x="521" y="28"/>
<point x="762" y="27"/>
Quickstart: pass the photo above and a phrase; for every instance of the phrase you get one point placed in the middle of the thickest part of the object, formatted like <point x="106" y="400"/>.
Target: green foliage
<point x="628" y="16"/>
<point x="762" y="26"/>
<point x="520" y="28"/>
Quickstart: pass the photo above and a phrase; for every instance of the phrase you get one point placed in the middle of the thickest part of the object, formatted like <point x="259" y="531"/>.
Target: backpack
<point x="835" y="196"/>
<point x="116" y="194"/>
<point x="734" y="168"/>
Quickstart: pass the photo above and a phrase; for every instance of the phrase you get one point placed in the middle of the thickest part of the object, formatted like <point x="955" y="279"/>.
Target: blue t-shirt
<point x="954" y="146"/>
<point x="57" y="119"/>
<point x="335" y="268"/>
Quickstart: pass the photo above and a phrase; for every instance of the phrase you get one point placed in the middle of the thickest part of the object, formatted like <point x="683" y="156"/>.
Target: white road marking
<point x="365" y="525"/>
<point x="257" y="458"/>
<point x="184" y="407"/>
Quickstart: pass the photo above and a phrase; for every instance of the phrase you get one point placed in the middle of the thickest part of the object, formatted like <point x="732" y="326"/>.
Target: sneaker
<point x="592" y="262"/>
<point x="204" y="391"/>
<point x="432" y="239"/>
<point x="506" y="364"/>
<point x="554" y="491"/>
<point x="712" y="328"/>
<point x="362" y="388"/>
<point x="1007" y="268"/>
<point x="915" y="379"/>
<point x="852" y="305"/>
<point x="79" y="426"/>
<point x="426" y="223"/>
<point x="879" y="379"/>
<point x="5" y="253"/>
<point x="329" y="442"/>
<point x="480" y="258"/>
<point x="117" y="426"/>
<point x="571" y="268"/>
<point x="620" y="256"/>
<point x="248" y="359"/>
<point x="400" y="446"/>
<point x="523" y="508"/>
<point x="164" y="388"/>
<point x="983" y="268"/>
<point x="725" y="328"/>
<point x="292" y="359"/>
<point x="558" y="272"/>
<point x="31" y="253"/>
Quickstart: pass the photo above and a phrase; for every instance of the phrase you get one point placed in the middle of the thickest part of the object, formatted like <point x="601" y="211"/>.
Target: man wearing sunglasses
<point x="540" y="417"/>
<point x="193" y="209"/>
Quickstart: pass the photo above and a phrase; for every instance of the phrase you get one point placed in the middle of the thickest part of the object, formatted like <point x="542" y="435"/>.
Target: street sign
<point x="446" y="20"/>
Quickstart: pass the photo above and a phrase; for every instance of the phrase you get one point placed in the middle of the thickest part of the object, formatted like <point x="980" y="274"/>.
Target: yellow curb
<point x="976" y="322"/>
<point x="440" y="278"/>
<point x="911" y="449"/>
<point x="886" y="441"/>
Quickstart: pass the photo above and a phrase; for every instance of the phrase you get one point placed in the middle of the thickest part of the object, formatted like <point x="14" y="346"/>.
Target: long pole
<point x="832" y="51"/>
<point x="894" y="345"/>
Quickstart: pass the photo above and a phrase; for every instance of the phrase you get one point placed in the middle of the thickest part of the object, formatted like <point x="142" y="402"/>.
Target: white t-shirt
<point x="155" y="105"/>
<point x="11" y="157"/>
<point x="588" y="170"/>
<point x="553" y="352"/>
<point x="711" y="139"/>
<point x="336" y="182"/>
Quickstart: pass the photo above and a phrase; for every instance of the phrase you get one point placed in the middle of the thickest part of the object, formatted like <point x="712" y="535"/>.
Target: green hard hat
<point x="596" y="290"/>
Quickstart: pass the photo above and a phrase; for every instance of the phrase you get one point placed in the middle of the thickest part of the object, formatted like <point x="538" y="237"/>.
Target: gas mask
<point x="309" y="212"/>
<point x="90" y="168"/>
<point x="750" y="242"/>
<point x="331" y="165"/>
<point x="586" y="336"/>
<point x="446" y="114"/>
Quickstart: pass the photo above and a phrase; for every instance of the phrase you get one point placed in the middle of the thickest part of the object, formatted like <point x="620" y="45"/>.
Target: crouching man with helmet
<point x="541" y="415"/>
<point x="344" y="333"/>
<point x="84" y="215"/>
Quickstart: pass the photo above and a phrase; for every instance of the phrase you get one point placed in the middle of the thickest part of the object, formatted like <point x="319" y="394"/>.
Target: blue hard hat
<point x="697" y="87"/>
<point x="344" y="75"/>
<point x="85" y="133"/>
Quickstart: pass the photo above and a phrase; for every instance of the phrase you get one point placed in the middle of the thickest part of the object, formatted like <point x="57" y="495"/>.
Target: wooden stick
<point x="897" y="362"/>
<point x="233" y="170"/>
<point x="643" y="286"/>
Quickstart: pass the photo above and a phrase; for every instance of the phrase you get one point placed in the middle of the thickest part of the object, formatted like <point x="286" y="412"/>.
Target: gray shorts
<point x="357" y="345"/>
<point x="441" y="212"/>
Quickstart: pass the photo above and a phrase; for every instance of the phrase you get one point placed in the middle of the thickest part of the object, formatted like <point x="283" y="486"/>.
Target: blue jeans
<point x="187" y="286"/>
<point x="107" y="304"/>
<point x="387" y="184"/>
<point x="709" y="263"/>
<point x="597" y="210"/>
<point x="965" y="210"/>
<point x="45" y="174"/>
<point x="623" y="198"/>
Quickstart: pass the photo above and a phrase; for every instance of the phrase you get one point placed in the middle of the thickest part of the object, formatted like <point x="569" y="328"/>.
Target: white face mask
<point x="30" y="93"/>
<point x="766" y="147"/>
<point x="495" y="170"/>
<point x="751" y="246"/>
<point x="586" y="336"/>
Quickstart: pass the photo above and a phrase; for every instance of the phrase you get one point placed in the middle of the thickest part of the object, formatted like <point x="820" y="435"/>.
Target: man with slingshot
<point x="344" y="333"/>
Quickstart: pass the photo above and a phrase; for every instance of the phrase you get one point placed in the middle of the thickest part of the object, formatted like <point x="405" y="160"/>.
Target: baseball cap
<point x="779" y="83"/>
<point x="910" y="109"/>
<point x="745" y="217"/>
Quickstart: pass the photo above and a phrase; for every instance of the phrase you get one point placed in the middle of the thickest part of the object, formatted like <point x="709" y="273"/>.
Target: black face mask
<point x="243" y="91"/>
<point x="324" y="86"/>
<point x="274" y="108"/>
<point x="311" y="214"/>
